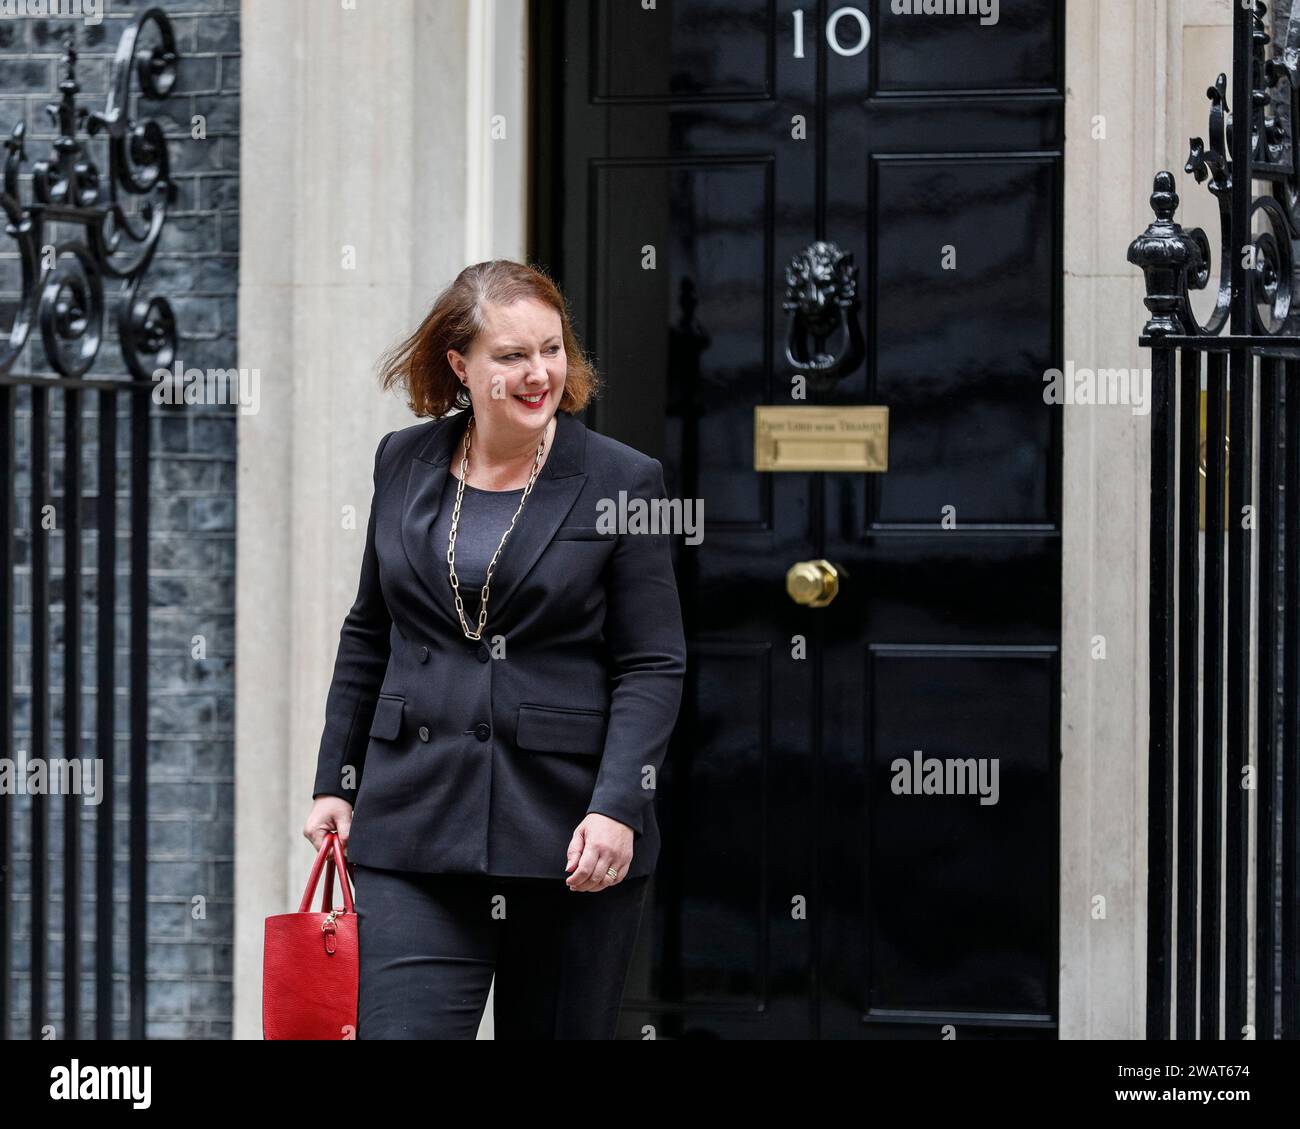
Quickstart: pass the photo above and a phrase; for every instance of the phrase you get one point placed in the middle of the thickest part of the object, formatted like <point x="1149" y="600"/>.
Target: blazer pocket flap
<point x="582" y="533"/>
<point x="553" y="729"/>
<point x="388" y="718"/>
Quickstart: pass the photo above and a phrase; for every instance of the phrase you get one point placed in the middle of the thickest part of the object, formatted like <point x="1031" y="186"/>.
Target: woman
<point x="506" y="684"/>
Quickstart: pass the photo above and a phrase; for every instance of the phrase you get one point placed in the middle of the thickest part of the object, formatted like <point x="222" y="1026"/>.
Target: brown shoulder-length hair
<point x="419" y="364"/>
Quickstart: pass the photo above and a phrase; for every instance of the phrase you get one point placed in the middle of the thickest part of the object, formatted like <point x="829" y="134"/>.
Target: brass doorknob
<point x="812" y="583"/>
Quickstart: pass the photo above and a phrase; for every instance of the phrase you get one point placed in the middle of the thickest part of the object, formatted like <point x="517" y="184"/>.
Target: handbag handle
<point x="332" y="849"/>
<point x="327" y="888"/>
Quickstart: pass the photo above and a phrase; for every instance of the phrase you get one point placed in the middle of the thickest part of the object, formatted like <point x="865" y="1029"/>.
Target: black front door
<point x="825" y="871"/>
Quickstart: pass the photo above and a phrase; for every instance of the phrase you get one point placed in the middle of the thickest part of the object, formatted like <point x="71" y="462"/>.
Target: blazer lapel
<point x="557" y="487"/>
<point x="424" y="486"/>
<point x="552" y="497"/>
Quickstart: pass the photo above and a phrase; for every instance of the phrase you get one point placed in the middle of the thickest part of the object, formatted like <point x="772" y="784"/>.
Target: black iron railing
<point x="1221" y="619"/>
<point x="61" y="292"/>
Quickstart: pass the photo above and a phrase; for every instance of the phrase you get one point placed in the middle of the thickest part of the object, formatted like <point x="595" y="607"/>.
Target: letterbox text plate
<point x="838" y="440"/>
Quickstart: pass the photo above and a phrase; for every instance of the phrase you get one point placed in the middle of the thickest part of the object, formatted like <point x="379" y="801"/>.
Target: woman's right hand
<point x="329" y="813"/>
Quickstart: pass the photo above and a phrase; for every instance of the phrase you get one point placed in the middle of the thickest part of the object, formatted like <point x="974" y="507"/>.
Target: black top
<point x="484" y="516"/>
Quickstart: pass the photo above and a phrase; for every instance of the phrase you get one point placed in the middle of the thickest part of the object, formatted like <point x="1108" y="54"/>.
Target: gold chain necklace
<point x="455" y="523"/>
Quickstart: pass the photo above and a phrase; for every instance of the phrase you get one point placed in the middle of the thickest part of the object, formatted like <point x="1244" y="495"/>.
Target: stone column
<point x="369" y="176"/>
<point x="1126" y="120"/>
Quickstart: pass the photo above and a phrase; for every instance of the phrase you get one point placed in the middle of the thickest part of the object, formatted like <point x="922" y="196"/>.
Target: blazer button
<point x="482" y="731"/>
<point x="424" y="654"/>
<point x="483" y="653"/>
<point x="424" y="732"/>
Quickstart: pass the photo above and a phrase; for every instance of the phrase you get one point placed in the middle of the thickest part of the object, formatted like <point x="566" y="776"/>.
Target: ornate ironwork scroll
<point x="1269" y="255"/>
<point x="65" y="296"/>
<point x="821" y="298"/>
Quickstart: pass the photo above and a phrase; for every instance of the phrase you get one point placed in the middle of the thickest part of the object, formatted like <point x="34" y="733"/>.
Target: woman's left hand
<point x="598" y="843"/>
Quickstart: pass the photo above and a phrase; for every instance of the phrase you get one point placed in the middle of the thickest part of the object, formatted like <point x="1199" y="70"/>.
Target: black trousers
<point x="430" y="944"/>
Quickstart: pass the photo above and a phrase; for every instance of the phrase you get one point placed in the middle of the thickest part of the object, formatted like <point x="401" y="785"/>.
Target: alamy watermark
<point x="88" y="11"/>
<point x="945" y="776"/>
<point x="652" y="515"/>
<point x="179" y="385"/>
<point x="987" y="10"/>
<point x="78" y="1082"/>
<point x="1075" y="386"/>
<point x="41" y="776"/>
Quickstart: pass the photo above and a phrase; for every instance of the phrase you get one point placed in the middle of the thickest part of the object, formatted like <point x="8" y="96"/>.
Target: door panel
<point x="929" y="877"/>
<point x="927" y="54"/>
<point x="952" y="368"/>
<point x="799" y="895"/>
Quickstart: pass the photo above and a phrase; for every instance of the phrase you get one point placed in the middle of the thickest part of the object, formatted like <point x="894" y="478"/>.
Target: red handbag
<point x="310" y="960"/>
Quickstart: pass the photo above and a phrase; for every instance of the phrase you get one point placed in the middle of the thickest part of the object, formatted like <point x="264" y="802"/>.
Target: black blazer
<point x="459" y="762"/>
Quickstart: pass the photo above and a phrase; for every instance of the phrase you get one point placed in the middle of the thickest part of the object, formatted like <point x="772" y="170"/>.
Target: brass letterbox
<point x="841" y="439"/>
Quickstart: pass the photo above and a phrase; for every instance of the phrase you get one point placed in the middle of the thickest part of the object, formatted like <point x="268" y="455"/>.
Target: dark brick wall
<point x="190" y="822"/>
